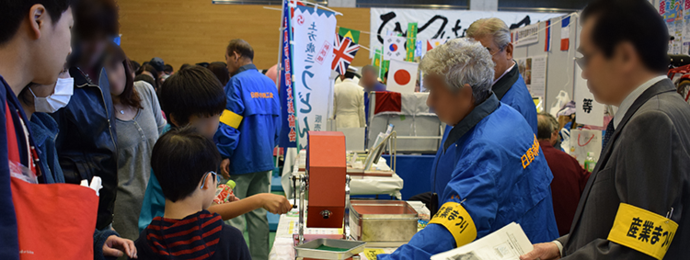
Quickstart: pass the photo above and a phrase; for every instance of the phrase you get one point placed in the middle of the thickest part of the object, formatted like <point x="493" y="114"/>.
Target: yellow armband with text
<point x="231" y="119"/>
<point x="642" y="230"/>
<point x="455" y="218"/>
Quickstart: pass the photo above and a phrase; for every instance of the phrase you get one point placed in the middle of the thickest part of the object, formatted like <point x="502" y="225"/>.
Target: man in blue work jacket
<point x="490" y="170"/>
<point x="246" y="136"/>
<point x="508" y="84"/>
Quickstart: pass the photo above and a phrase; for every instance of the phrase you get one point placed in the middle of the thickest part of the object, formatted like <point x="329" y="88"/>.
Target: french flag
<point x="565" y="33"/>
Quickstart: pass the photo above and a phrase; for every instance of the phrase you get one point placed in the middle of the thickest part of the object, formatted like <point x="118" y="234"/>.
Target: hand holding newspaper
<point x="507" y="243"/>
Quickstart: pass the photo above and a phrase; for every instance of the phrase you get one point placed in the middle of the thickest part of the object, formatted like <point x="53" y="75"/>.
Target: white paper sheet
<point x="507" y="243"/>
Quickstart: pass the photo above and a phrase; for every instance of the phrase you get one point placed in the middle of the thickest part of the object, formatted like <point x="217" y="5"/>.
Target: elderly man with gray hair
<point x="490" y="170"/>
<point x="508" y="84"/>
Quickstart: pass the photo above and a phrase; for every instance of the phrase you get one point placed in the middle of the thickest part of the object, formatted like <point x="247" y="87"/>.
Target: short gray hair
<point x="461" y="62"/>
<point x="491" y="26"/>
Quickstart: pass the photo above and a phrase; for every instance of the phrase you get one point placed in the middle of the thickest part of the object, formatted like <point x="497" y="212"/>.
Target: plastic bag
<point x="561" y="100"/>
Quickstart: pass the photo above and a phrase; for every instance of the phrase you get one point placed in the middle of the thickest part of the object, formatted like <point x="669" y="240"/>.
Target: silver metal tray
<point x="382" y="222"/>
<point x="309" y="249"/>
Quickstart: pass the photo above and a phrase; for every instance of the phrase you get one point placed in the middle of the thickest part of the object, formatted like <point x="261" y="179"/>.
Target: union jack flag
<point x="344" y="52"/>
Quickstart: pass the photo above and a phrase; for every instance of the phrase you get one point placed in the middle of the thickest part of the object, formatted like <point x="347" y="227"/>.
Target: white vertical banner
<point x="313" y="32"/>
<point x="588" y="110"/>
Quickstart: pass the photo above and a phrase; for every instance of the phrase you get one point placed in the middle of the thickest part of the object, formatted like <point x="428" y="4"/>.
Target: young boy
<point x="194" y="97"/>
<point x="184" y="162"/>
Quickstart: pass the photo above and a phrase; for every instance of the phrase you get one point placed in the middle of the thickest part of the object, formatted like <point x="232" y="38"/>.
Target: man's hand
<point x="114" y="246"/>
<point x="276" y="204"/>
<point x="225" y="168"/>
<point x="543" y="251"/>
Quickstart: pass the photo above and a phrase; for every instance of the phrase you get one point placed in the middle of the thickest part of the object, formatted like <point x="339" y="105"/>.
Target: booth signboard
<point x="588" y="110"/>
<point x="313" y="31"/>
<point x="526" y="35"/>
<point x="438" y="24"/>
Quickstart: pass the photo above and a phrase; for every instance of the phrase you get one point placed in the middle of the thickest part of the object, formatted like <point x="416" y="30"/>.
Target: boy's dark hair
<point x="13" y="12"/>
<point x="191" y="91"/>
<point x="242" y="47"/>
<point x="220" y="69"/>
<point x="635" y="21"/>
<point x="95" y="18"/>
<point x="180" y="158"/>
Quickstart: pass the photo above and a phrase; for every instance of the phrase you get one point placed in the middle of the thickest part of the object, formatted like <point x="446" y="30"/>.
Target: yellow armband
<point x="458" y="222"/>
<point x="642" y="230"/>
<point x="231" y="119"/>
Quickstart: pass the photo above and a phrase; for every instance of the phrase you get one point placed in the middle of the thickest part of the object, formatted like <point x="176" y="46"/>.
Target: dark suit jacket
<point x="646" y="164"/>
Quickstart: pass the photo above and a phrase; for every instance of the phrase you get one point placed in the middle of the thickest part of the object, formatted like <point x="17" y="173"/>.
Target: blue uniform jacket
<point x="250" y="125"/>
<point x="481" y="166"/>
<point x="512" y="91"/>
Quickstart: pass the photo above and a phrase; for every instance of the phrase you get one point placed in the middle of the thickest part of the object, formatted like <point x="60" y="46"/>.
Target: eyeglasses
<point x="203" y="182"/>
<point x="584" y="60"/>
<point x="494" y="53"/>
<point x="581" y="62"/>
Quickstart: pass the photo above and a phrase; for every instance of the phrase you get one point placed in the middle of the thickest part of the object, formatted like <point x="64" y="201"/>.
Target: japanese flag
<point x="402" y="76"/>
<point x="394" y="48"/>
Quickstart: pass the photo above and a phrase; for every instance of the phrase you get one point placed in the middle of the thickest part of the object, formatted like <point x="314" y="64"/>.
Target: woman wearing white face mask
<point x="37" y="101"/>
<point x="139" y="123"/>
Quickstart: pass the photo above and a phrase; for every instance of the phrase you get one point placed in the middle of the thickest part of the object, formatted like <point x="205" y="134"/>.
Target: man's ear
<point x="237" y="56"/>
<point x="38" y="20"/>
<point x="509" y="51"/>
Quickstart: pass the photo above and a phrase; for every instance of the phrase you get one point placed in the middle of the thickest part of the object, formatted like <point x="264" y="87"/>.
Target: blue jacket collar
<point x="43" y="127"/>
<point x="245" y="68"/>
<point x="473" y="118"/>
<point x="506" y="82"/>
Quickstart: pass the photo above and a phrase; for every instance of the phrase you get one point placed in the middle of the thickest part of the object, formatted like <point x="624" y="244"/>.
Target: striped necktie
<point x="608" y="134"/>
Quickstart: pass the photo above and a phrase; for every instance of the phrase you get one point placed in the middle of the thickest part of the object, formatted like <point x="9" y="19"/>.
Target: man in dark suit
<point x="636" y="202"/>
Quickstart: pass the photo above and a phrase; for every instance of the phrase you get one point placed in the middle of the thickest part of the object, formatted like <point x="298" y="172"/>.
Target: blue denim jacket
<point x="45" y="131"/>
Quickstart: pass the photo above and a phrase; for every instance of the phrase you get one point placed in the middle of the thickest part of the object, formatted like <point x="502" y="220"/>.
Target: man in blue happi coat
<point x="490" y="170"/>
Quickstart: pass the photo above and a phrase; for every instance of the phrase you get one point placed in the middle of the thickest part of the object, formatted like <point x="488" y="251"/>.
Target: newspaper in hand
<point x="507" y="243"/>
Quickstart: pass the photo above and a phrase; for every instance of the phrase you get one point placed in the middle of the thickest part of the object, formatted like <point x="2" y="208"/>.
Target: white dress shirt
<point x="630" y="99"/>
<point x="504" y="73"/>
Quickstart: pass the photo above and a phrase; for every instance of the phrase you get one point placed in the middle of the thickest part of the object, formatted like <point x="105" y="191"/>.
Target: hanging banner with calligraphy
<point x="313" y="31"/>
<point x="288" y="132"/>
<point x="440" y="24"/>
